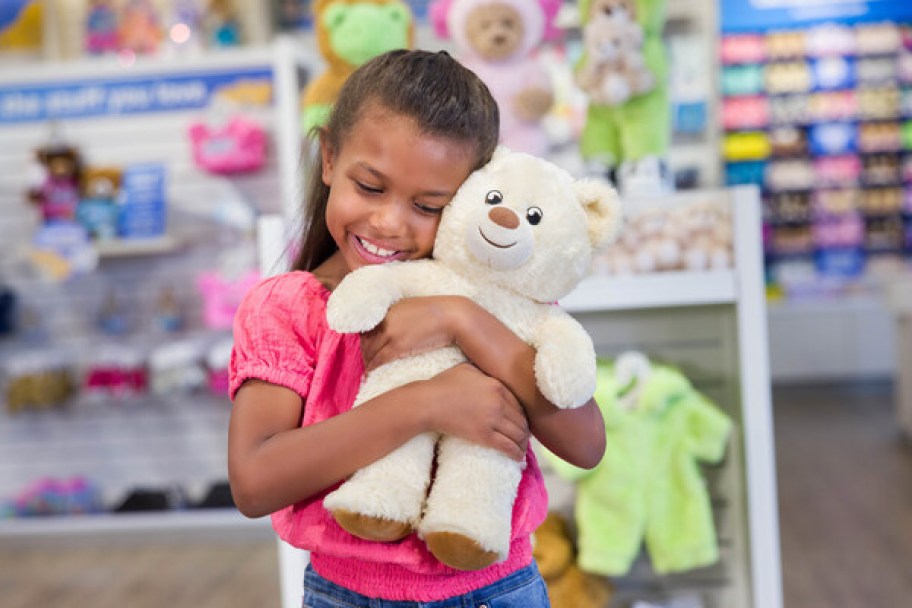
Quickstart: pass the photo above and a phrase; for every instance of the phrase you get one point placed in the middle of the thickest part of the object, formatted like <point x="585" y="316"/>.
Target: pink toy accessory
<point x="222" y="296"/>
<point x="238" y="146"/>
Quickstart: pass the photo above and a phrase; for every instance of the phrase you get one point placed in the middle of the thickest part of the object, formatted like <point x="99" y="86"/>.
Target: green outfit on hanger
<point x="648" y="484"/>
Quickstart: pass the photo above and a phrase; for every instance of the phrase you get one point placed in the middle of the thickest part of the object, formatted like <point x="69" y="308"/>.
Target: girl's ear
<point x="327" y="157"/>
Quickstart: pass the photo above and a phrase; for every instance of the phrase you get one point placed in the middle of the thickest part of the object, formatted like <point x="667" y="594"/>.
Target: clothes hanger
<point x="631" y="370"/>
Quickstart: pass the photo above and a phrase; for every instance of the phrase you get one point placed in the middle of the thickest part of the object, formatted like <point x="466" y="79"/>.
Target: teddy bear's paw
<point x="368" y="527"/>
<point x="459" y="551"/>
<point x="351" y="315"/>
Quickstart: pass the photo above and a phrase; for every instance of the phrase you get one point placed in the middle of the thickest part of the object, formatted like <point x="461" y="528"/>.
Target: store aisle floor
<point x="845" y="495"/>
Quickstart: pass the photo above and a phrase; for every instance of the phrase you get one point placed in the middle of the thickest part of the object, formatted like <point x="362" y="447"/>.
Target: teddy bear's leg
<point x="467" y="520"/>
<point x="382" y="501"/>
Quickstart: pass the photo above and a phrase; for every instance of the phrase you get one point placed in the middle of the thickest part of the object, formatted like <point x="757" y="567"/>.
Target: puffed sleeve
<point x="276" y="330"/>
<point x="708" y="428"/>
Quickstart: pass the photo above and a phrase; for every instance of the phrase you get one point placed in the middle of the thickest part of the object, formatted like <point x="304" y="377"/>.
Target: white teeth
<point x="370" y="247"/>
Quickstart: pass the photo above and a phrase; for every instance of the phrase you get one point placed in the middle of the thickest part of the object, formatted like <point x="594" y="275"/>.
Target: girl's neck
<point x="331" y="272"/>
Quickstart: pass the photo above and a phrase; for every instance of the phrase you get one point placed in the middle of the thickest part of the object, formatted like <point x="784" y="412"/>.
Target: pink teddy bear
<point x="496" y="39"/>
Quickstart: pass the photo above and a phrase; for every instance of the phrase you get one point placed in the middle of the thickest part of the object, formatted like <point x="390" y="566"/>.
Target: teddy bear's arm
<point x="363" y="298"/>
<point x="360" y="302"/>
<point x="564" y="361"/>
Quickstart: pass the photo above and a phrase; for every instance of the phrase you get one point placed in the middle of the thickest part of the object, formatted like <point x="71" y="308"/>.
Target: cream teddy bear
<point x="519" y="235"/>
<point x="614" y="69"/>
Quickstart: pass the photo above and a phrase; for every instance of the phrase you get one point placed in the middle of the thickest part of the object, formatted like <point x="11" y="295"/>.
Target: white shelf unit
<point x="151" y="441"/>
<point x="712" y="326"/>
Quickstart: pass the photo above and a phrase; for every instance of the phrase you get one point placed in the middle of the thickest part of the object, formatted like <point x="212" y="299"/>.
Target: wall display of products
<point x="821" y="119"/>
<point x="113" y="374"/>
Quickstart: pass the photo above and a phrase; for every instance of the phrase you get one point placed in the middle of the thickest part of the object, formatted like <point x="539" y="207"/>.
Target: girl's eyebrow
<point x="381" y="176"/>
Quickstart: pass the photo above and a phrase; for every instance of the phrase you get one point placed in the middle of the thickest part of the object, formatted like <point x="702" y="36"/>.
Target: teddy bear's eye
<point x="494" y="197"/>
<point x="534" y="215"/>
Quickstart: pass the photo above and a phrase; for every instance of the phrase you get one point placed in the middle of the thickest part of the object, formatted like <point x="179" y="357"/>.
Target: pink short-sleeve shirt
<point x="281" y="337"/>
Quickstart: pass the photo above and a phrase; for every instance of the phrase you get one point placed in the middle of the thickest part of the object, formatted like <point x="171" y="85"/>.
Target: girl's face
<point x="388" y="186"/>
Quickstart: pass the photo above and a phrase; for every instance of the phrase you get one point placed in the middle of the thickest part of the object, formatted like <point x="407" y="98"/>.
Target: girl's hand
<point x="412" y="326"/>
<point x="465" y="402"/>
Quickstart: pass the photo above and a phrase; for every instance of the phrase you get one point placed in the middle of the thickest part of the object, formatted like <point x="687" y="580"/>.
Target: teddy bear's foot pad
<point x="458" y="551"/>
<point x="372" y="528"/>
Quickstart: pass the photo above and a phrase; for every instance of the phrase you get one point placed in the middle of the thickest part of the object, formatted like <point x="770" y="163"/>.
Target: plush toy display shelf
<point x="154" y="440"/>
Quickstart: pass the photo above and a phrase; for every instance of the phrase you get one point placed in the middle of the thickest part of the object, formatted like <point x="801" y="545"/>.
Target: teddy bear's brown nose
<point x="504" y="217"/>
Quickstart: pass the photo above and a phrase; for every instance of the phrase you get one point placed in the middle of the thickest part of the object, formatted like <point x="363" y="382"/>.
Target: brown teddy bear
<point x="54" y="186"/>
<point x="568" y="586"/>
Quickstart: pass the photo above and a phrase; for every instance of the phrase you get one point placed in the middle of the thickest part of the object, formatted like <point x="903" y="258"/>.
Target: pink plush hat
<point x="449" y="17"/>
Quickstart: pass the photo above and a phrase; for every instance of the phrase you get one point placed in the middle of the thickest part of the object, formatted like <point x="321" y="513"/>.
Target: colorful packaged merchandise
<point x="752" y="145"/>
<point x="742" y="79"/>
<point x="745" y="112"/>
<point x="742" y="48"/>
<point x="38" y="378"/>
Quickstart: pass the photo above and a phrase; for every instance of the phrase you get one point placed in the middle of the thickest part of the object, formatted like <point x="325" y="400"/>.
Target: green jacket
<point x="648" y="485"/>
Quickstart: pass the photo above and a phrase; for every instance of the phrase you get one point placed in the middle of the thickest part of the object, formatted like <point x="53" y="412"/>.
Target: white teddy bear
<point x="614" y="69"/>
<point x="519" y="235"/>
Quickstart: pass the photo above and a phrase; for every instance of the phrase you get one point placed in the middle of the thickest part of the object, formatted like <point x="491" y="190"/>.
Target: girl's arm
<point x="273" y="462"/>
<point x="419" y="324"/>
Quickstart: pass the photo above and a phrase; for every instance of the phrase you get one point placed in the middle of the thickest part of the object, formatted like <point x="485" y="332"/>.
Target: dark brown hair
<point x="444" y="98"/>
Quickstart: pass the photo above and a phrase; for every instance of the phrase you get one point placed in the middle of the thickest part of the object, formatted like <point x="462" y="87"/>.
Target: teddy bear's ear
<point x="603" y="209"/>
<point x="500" y="153"/>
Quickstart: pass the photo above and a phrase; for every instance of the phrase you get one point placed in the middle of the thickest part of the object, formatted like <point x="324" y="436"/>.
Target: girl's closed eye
<point x="368" y="188"/>
<point x="429" y="209"/>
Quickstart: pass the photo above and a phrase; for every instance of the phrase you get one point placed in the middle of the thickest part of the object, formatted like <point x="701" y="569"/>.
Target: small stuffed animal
<point x="349" y="33"/>
<point x="56" y="184"/>
<point x="568" y="585"/>
<point x="614" y="70"/>
<point x="518" y="236"/>
<point x="629" y="135"/>
<point x="496" y="39"/>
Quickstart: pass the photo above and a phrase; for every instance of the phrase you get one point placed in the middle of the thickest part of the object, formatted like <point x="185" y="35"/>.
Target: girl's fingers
<point x="517" y="435"/>
<point x="511" y="448"/>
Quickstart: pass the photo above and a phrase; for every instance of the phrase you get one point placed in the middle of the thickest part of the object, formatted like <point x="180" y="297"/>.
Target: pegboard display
<point x="139" y="337"/>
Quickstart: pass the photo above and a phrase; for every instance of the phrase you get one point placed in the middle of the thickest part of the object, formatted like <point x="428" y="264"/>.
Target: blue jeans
<point x="522" y="589"/>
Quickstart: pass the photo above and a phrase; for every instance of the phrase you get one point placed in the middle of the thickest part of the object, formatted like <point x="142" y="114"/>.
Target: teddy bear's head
<point x="610" y="36"/>
<point x="350" y="32"/>
<point x="525" y="224"/>
<point x="494" y="30"/>
<point x="101" y="182"/>
<point x="610" y="8"/>
<point x="650" y="14"/>
<point x="60" y="161"/>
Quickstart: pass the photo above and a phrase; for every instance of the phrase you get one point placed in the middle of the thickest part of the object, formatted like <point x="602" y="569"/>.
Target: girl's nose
<point x="388" y="218"/>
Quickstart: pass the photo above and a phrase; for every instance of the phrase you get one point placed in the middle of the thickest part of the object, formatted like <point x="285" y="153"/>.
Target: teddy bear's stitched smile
<point x="498" y="245"/>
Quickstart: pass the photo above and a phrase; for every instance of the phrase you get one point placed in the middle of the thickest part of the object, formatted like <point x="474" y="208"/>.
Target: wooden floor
<point x="845" y="495"/>
<point x="845" y="498"/>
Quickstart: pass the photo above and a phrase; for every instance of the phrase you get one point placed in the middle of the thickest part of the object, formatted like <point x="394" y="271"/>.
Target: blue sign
<point x="110" y="97"/>
<point x="755" y="15"/>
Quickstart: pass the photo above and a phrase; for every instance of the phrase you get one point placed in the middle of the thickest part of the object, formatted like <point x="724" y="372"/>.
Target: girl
<point x="407" y="129"/>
